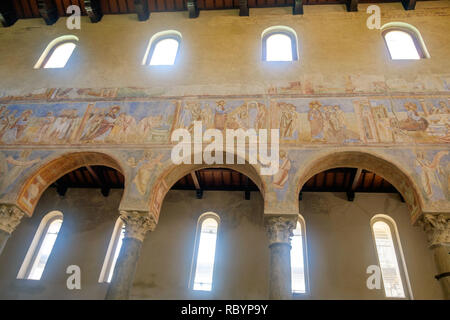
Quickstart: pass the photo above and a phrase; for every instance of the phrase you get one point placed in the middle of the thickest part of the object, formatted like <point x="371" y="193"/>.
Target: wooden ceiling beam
<point x="93" y="10"/>
<point x="243" y="8"/>
<point x="193" y="8"/>
<point x="141" y="7"/>
<point x="8" y="15"/>
<point x="198" y="188"/>
<point x="298" y="7"/>
<point x="409" y="4"/>
<point x="48" y="11"/>
<point x="355" y="180"/>
<point x="352" y="5"/>
<point x="104" y="188"/>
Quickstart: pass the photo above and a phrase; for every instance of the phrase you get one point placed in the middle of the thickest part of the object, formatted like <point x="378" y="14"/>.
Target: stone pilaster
<point x="10" y="217"/>
<point x="437" y="228"/>
<point x="137" y="224"/>
<point x="279" y="231"/>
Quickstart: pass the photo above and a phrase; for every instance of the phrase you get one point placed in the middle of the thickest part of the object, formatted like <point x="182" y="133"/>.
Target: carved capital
<point x="437" y="228"/>
<point x="280" y="228"/>
<point x="10" y="217"/>
<point x="137" y="224"/>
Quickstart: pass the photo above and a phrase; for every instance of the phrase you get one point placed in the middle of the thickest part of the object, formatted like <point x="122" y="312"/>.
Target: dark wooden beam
<point x="48" y="11"/>
<point x="298" y="7"/>
<point x="93" y="10"/>
<point x="243" y="8"/>
<point x="352" y="5"/>
<point x="351" y="191"/>
<point x="247" y="191"/>
<point x="192" y="8"/>
<point x="104" y="188"/>
<point x="409" y="4"/>
<point x="61" y="187"/>
<point x="198" y="188"/>
<point x="8" y="15"/>
<point x="142" y="10"/>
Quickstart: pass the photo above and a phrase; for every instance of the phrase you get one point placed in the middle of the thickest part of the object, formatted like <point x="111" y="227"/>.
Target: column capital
<point x="137" y="224"/>
<point x="280" y="228"/>
<point x="437" y="228"/>
<point x="10" y="216"/>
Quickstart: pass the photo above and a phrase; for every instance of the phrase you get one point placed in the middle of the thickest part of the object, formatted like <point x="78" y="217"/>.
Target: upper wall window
<point x="57" y="53"/>
<point x="389" y="255"/>
<point x="279" y="44"/>
<point x="41" y="247"/>
<point x="163" y="49"/>
<point x="205" y="251"/>
<point x="298" y="258"/>
<point x="115" y="244"/>
<point x="404" y="42"/>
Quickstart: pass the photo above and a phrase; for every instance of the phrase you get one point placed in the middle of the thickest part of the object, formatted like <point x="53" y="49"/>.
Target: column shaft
<point x="280" y="271"/>
<point x="442" y="258"/>
<point x="4" y="236"/>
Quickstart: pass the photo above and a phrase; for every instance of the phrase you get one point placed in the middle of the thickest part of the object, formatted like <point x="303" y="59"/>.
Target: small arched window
<point x="390" y="257"/>
<point x="115" y="244"/>
<point x="299" y="259"/>
<point x="279" y="44"/>
<point x="404" y="42"/>
<point x="57" y="53"/>
<point x="205" y="251"/>
<point x="41" y="247"/>
<point x="163" y="49"/>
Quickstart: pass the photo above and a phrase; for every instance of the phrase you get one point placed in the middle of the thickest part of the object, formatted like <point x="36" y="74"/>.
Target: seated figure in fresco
<point x="280" y="178"/>
<point x="220" y="116"/>
<point x="414" y="122"/>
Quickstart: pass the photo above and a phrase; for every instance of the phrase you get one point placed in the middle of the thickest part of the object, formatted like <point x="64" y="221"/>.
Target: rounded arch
<point x="38" y="181"/>
<point x="412" y="31"/>
<point x="52" y="46"/>
<point x="157" y="37"/>
<point x="386" y="168"/>
<point x="282" y="30"/>
<point x="173" y="173"/>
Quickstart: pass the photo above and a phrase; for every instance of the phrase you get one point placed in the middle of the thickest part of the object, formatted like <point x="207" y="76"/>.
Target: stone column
<point x="280" y="230"/>
<point x="136" y="226"/>
<point x="437" y="228"/>
<point x="10" y="217"/>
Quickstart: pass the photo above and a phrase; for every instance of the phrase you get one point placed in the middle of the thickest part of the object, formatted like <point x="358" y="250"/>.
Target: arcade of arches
<point x="87" y="180"/>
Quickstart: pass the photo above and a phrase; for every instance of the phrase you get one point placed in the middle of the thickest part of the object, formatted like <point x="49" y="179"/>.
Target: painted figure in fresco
<point x="101" y="124"/>
<point x="220" y="116"/>
<point x="122" y="128"/>
<point x="46" y="125"/>
<point x="316" y="120"/>
<point x="17" y="127"/>
<point x="281" y="177"/>
<point x="146" y="166"/>
<point x="414" y="122"/>
<point x="261" y="117"/>
<point x="430" y="170"/>
<point x="15" y="167"/>
<point x="287" y="120"/>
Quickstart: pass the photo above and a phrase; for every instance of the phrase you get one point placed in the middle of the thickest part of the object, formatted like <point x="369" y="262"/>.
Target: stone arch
<point x="174" y="172"/>
<point x="39" y="180"/>
<point x="389" y="169"/>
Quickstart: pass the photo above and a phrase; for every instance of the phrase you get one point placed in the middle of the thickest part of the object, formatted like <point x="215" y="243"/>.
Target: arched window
<point x="163" y="49"/>
<point x="279" y="44"/>
<point x="404" y="42"/>
<point x="57" y="53"/>
<point x="41" y="247"/>
<point x="298" y="259"/>
<point x="390" y="257"/>
<point x="205" y="251"/>
<point x="115" y="244"/>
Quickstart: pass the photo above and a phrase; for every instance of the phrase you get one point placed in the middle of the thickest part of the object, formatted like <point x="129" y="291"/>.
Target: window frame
<point x="50" y="49"/>
<point x="307" y="292"/>
<point x="158" y="37"/>
<point x="284" y="31"/>
<point x="36" y="244"/>
<point x="107" y="266"/>
<point x="198" y="232"/>
<point x="412" y="32"/>
<point x="399" y="256"/>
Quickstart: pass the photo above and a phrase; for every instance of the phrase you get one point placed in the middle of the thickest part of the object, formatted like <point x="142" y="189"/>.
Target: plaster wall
<point x="339" y="239"/>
